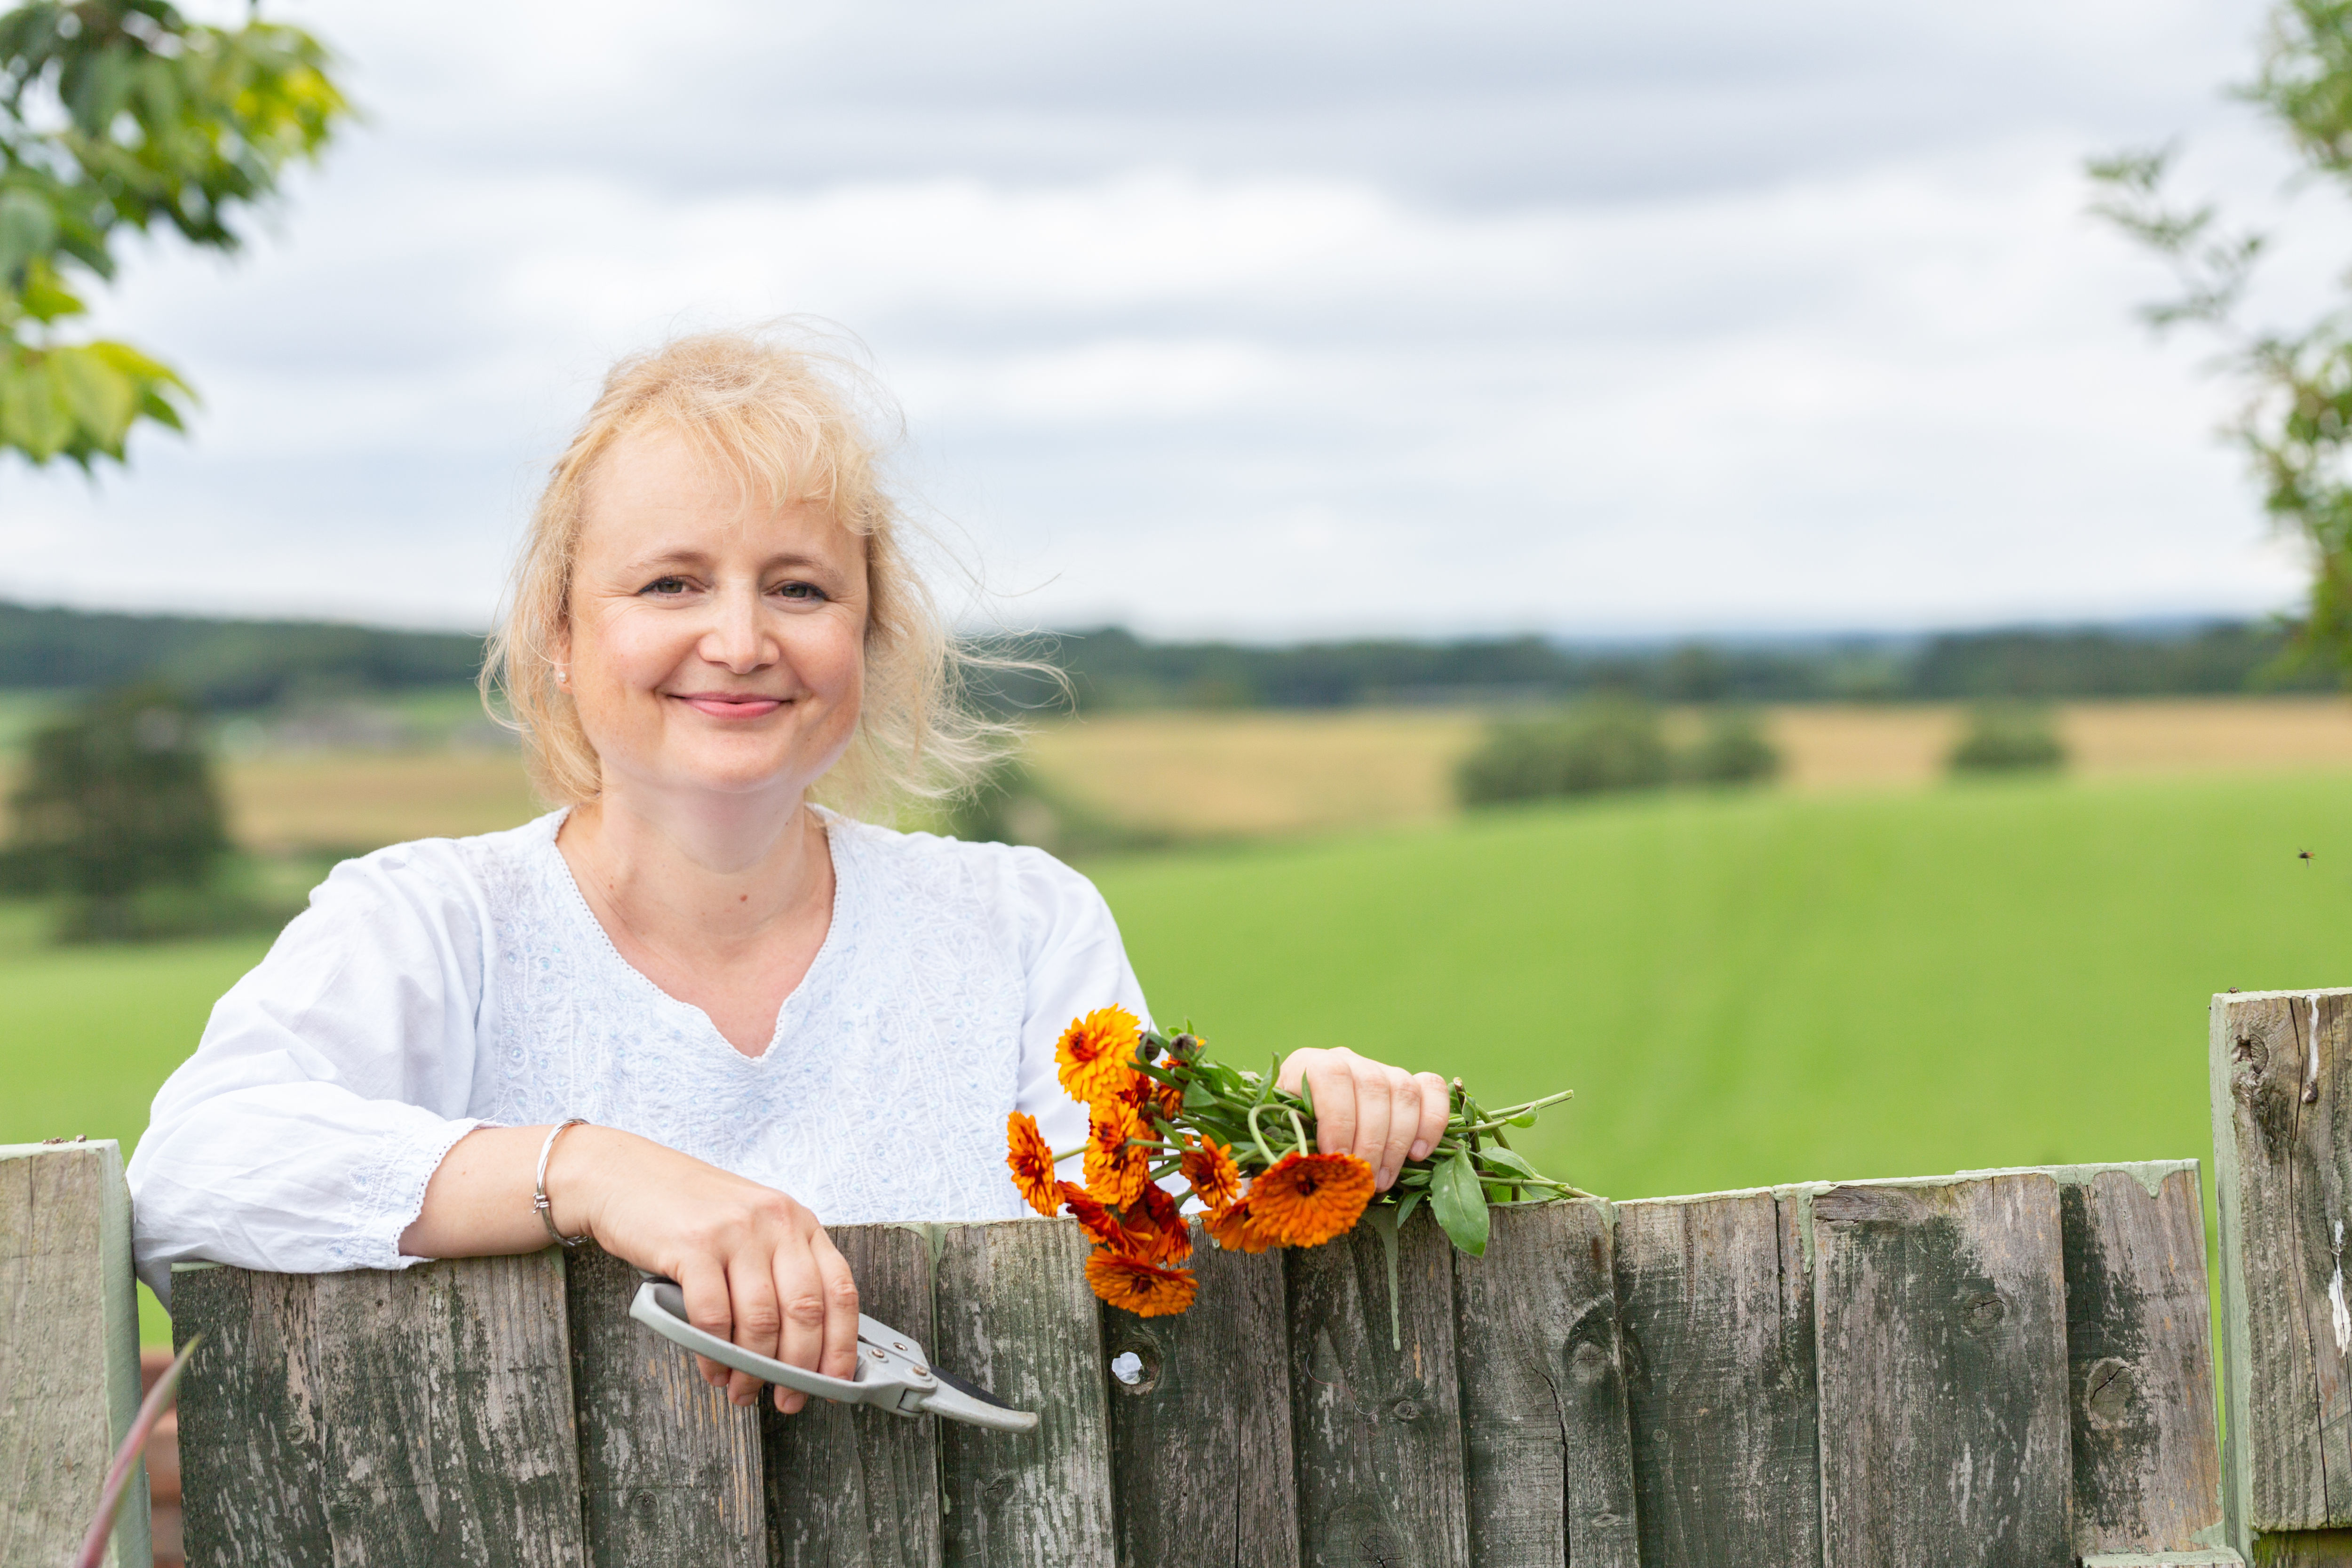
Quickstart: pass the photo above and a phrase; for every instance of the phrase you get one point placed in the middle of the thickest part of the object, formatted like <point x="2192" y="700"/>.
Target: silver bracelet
<point x="538" y="1188"/>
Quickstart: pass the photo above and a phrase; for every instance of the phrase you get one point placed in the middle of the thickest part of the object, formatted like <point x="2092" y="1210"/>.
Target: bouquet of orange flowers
<point x="1156" y="1105"/>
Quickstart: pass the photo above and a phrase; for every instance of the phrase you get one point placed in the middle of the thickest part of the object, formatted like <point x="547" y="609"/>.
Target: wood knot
<point x="1981" y="1308"/>
<point x="2107" y="1390"/>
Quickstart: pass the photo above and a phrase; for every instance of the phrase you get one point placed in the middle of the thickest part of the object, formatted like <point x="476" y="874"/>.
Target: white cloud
<point x="1266" y="324"/>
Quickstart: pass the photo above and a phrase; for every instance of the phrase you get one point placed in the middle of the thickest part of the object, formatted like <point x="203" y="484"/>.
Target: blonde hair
<point x="785" y="419"/>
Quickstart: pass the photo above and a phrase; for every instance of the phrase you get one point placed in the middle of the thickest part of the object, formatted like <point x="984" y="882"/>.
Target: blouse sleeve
<point x="329" y="1083"/>
<point x="1076" y="964"/>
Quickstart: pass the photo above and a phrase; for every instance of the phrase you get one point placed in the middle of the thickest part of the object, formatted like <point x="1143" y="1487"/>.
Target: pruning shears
<point x="893" y="1373"/>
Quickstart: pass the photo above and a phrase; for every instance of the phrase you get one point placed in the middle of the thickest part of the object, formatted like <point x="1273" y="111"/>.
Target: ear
<point x="559" y="656"/>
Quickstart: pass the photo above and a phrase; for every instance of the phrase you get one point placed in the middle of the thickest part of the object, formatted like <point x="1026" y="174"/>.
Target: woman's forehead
<point x="657" y="491"/>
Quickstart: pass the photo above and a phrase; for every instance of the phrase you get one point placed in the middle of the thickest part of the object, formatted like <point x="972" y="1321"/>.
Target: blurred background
<point x="1653" y="553"/>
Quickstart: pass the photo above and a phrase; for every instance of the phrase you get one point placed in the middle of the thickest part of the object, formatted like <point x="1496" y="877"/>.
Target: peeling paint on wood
<point x="1940" y="1317"/>
<point x="2147" y="1477"/>
<point x="671" y="1471"/>
<point x="1548" y="1458"/>
<point x="1378" y="1430"/>
<point x="1200" y="1422"/>
<point x="376" y="1418"/>
<point x="68" y="1350"/>
<point x="1015" y="1317"/>
<point x="854" y="1488"/>
<point x="1719" y="1333"/>
<point x="2281" y="1138"/>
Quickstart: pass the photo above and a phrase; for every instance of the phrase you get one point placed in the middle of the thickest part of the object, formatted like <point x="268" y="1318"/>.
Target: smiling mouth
<point x="729" y="704"/>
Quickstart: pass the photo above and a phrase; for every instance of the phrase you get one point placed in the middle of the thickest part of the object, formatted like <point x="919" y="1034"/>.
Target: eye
<point x="664" y="588"/>
<point x="805" y="592"/>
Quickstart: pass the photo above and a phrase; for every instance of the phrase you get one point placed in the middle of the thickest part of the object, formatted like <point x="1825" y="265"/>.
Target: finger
<point x="800" y="1286"/>
<point x="752" y="1286"/>
<point x="1295" y="1065"/>
<point x="1434" y="1100"/>
<point x="704" y="1287"/>
<point x="1373" y="1100"/>
<point x="840" y="1308"/>
<point x="1334" y="1088"/>
<point x="1404" y="1123"/>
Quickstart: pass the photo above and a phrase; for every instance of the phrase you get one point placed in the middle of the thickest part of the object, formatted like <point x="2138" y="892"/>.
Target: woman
<point x="714" y="1015"/>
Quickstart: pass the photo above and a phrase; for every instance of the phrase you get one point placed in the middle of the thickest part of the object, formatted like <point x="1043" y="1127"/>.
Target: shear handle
<point x="660" y="1305"/>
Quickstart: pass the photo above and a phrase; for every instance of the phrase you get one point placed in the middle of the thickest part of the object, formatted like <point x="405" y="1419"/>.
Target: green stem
<point x="1258" y="1137"/>
<point x="1061" y="1154"/>
<point x="1297" y="1127"/>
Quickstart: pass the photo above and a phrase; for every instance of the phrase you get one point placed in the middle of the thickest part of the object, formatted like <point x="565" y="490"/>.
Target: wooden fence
<point x="2008" y="1368"/>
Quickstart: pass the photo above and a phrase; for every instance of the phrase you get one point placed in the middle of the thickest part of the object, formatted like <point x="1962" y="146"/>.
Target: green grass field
<point x="1741" y="990"/>
<point x="1755" y="990"/>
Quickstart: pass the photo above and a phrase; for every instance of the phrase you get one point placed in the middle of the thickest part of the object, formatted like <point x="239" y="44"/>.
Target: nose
<point x="737" y="638"/>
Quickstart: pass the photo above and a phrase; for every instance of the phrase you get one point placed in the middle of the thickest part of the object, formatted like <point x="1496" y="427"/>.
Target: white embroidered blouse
<point x="437" y="986"/>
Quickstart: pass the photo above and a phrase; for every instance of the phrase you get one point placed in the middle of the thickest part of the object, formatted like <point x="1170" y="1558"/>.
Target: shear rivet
<point x="878" y="1354"/>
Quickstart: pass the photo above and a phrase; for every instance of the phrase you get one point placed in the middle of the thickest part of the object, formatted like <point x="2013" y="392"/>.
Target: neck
<point x="719" y="875"/>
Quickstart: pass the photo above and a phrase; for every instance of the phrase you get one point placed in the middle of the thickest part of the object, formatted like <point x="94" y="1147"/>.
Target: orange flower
<point x="1155" y="1229"/>
<point x="1209" y="1167"/>
<point x="1031" y="1163"/>
<point x="1095" y="1052"/>
<point x="1237" y="1229"/>
<point x="1136" y="1286"/>
<point x="1115" y="1170"/>
<point x="1095" y="1218"/>
<point x="1149" y="1096"/>
<point x="1307" y="1199"/>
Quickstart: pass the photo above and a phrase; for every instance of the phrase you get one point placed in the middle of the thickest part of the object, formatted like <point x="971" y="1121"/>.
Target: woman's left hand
<point x="1382" y="1115"/>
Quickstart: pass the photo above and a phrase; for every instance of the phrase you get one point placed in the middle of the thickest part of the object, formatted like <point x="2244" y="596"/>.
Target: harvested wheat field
<point x="1266" y="774"/>
<point x="350" y="801"/>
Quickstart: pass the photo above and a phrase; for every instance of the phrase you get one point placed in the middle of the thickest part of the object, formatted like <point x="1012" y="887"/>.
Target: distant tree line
<point x="1113" y="668"/>
<point x="233" y="665"/>
<point x="221" y="664"/>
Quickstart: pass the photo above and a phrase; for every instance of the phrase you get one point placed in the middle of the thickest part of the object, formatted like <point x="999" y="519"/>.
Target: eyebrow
<point x="791" y="558"/>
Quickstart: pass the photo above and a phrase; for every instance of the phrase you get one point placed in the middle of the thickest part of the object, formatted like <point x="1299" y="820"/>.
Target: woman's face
<point x="715" y="645"/>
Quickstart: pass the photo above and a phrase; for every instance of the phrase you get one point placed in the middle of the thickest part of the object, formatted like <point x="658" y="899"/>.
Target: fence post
<point x="2283" y="1171"/>
<point x="68" y="1350"/>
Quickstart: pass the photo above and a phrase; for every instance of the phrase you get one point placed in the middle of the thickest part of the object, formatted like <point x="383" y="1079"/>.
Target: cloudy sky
<point x="1247" y="320"/>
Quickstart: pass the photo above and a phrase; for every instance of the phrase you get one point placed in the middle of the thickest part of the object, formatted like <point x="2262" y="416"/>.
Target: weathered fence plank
<point x="671" y="1471"/>
<point x="1376" y="1421"/>
<point x="1548" y="1463"/>
<point x="2312" y="1548"/>
<point x="1014" y="1316"/>
<point x="68" y="1350"/>
<point x="851" y="1488"/>
<point x="1200" y="1422"/>
<point x="1718" y="1313"/>
<point x="2282" y="1136"/>
<point x="426" y="1412"/>
<point x="1940" y="1313"/>
<point x="2147" y="1474"/>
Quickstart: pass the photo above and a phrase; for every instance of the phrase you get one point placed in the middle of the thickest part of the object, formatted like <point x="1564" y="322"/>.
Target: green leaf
<point x="100" y="398"/>
<point x="27" y="230"/>
<point x="1406" y="1204"/>
<point x="1460" y="1208"/>
<point x="1526" y="1120"/>
<point x="1507" y="1160"/>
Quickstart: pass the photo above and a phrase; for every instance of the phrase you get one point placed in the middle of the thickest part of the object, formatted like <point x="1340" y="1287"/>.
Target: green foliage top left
<point x="122" y="114"/>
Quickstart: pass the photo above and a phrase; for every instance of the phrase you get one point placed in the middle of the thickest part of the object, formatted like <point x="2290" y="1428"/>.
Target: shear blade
<point x="956" y="1400"/>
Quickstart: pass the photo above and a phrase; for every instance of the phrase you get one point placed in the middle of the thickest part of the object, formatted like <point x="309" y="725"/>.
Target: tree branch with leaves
<point x="2294" y="419"/>
<point x="123" y="116"/>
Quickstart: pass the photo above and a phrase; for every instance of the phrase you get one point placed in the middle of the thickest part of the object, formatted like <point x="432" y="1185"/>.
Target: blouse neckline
<point x="795" y="1001"/>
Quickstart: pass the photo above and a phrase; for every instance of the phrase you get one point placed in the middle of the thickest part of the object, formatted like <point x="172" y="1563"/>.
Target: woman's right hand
<point x="755" y="1266"/>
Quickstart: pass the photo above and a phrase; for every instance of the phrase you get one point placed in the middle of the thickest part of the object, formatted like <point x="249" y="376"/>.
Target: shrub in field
<point x="1733" y="751"/>
<point x="2007" y="739"/>
<point x="1601" y="746"/>
<point x="118" y="812"/>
